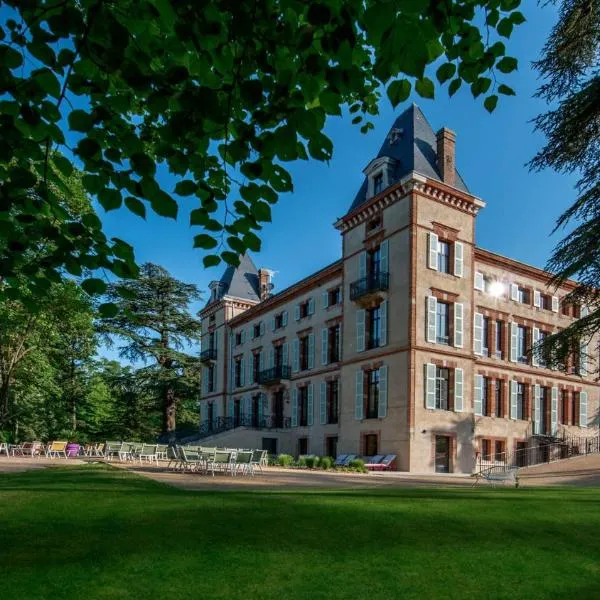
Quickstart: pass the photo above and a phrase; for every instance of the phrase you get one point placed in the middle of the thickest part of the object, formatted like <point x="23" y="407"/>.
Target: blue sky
<point x="492" y="152"/>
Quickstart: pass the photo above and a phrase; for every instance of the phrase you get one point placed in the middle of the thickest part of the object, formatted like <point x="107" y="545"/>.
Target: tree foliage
<point x="570" y="71"/>
<point x="154" y="321"/>
<point x="219" y="93"/>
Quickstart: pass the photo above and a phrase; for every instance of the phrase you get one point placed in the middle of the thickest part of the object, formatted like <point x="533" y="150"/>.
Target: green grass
<point x="94" y="532"/>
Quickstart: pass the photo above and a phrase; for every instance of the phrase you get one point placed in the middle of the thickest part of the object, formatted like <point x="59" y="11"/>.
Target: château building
<point x="416" y="342"/>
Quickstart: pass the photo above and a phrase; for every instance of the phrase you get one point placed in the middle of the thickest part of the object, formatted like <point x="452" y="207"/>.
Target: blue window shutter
<point x="430" y="373"/>
<point x="554" y="411"/>
<point x="359" y="397"/>
<point x="242" y="378"/>
<point x="273" y="324"/>
<point x="284" y="355"/>
<point x="311" y="350"/>
<point x="478" y="395"/>
<point x="537" y="410"/>
<point x="583" y="409"/>
<point x="271" y="358"/>
<point x="324" y="340"/>
<point x="478" y="334"/>
<point x="295" y="407"/>
<point x="310" y="404"/>
<point x="284" y="318"/>
<point x="513" y="399"/>
<point x="323" y="404"/>
<point x="458" y="324"/>
<point x="325" y="299"/>
<point x="297" y="312"/>
<point x="360" y="330"/>
<point x="261" y="361"/>
<point x="432" y="254"/>
<point x="295" y="355"/>
<point x="431" y="327"/>
<point x="383" y="392"/>
<point x="311" y="306"/>
<point x="458" y="259"/>
<point x="383" y="256"/>
<point x="362" y="265"/>
<point x="458" y="390"/>
<point x="383" y="309"/>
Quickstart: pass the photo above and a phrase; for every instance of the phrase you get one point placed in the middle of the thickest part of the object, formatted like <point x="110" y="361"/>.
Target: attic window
<point x="378" y="184"/>
<point x="373" y="224"/>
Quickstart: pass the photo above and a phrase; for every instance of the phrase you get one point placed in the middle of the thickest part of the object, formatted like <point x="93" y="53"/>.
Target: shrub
<point x="285" y="460"/>
<point x="326" y="462"/>
<point x="358" y="464"/>
<point x="312" y="462"/>
<point x="301" y="462"/>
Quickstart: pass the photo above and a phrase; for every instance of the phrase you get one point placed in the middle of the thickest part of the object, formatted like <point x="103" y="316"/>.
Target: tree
<point x="571" y="83"/>
<point x="219" y="93"/>
<point x="155" y="323"/>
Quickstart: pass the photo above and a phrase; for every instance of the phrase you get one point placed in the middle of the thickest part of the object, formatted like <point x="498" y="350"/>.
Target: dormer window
<point x="377" y="184"/>
<point x="379" y="175"/>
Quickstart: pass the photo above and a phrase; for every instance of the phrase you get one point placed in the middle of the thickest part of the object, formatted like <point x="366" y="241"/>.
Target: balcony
<point x="274" y="375"/>
<point x="208" y="356"/>
<point x="368" y="287"/>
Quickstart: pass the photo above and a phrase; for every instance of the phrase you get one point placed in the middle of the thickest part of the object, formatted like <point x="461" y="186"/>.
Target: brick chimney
<point x="264" y="283"/>
<point x="446" y="143"/>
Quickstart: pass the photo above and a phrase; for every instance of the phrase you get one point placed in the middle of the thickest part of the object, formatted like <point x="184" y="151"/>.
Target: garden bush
<point x="326" y="462"/>
<point x="301" y="462"/>
<point x="312" y="462"/>
<point x="358" y="464"/>
<point x="285" y="460"/>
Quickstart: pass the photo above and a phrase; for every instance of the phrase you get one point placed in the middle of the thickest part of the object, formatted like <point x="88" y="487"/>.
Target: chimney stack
<point x="446" y="144"/>
<point x="264" y="283"/>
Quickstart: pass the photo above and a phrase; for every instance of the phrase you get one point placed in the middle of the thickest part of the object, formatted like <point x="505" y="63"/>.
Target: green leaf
<point x="42" y="52"/>
<point x="93" y="183"/>
<point x="164" y="205"/>
<point x="93" y="286"/>
<point x="398" y="91"/>
<point x="108" y="310"/>
<point x="445" y="72"/>
<point x="47" y="81"/>
<point x="199" y="216"/>
<point x="320" y="147"/>
<point x="517" y="18"/>
<point x="490" y="103"/>
<point x="261" y="211"/>
<point x="231" y="258"/>
<point x="425" y="88"/>
<point x="79" y="120"/>
<point x="507" y="64"/>
<point x="252" y="242"/>
<point x="88" y="148"/>
<point x="212" y="260"/>
<point x="454" y="86"/>
<point x="142" y="164"/>
<point x="205" y="241"/>
<point x="236" y="244"/>
<point x="109" y="198"/>
<point x="10" y="58"/>
<point x="136" y="206"/>
<point x="505" y="27"/>
<point x="22" y="178"/>
<point x="504" y="89"/>
<point x="63" y="164"/>
<point x="187" y="187"/>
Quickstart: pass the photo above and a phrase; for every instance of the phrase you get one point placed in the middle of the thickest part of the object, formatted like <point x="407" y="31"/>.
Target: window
<point x="278" y="408"/>
<point x="520" y="400"/>
<point x="304" y="309"/>
<point x="279" y="321"/>
<point x="373" y="224"/>
<point x="334" y="297"/>
<point x="485" y="344"/>
<point x="331" y="446"/>
<point x="541" y="358"/>
<point x="211" y="319"/>
<point x="238" y="338"/>
<point x="373" y="327"/>
<point x="487" y="284"/>
<point x="257" y="330"/>
<point x="522" y="344"/>
<point x="302" y="446"/>
<point x="499" y="450"/>
<point x="211" y="379"/>
<point x="278" y="356"/>
<point x="333" y="348"/>
<point x="575" y="409"/>
<point x="372" y="395"/>
<point x="564" y="406"/>
<point x="333" y="388"/>
<point x="370" y="441"/>
<point x="499" y="397"/>
<point x="498" y="345"/>
<point x="486" y="449"/>
<point x="374" y="263"/>
<point x="443" y="323"/>
<point x="485" y="397"/>
<point x="544" y="408"/>
<point x="378" y="184"/>
<point x="212" y="344"/>
<point x="238" y="372"/>
<point x="303" y="353"/>
<point x="303" y="406"/>
<point x="255" y="367"/>
<point x="442" y="386"/>
<point x="545" y="302"/>
<point x="523" y="295"/>
<point x="443" y="257"/>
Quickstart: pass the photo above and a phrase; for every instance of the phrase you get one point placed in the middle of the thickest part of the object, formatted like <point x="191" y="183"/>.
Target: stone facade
<point x="415" y="343"/>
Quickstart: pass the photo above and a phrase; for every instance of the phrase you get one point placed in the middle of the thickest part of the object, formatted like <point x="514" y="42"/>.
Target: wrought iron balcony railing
<point x="369" y="285"/>
<point x="274" y="375"/>
<point x="253" y="421"/>
<point x="208" y="355"/>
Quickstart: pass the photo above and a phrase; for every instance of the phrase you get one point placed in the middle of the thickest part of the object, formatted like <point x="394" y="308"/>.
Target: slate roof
<point x="415" y="149"/>
<point x="240" y="282"/>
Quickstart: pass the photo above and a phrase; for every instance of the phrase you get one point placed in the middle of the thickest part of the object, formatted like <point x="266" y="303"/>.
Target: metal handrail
<point x="274" y="374"/>
<point x="209" y="354"/>
<point x="372" y="283"/>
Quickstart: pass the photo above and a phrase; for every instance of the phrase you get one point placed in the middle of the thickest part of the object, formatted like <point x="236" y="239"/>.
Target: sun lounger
<point x="56" y="450"/>
<point x="384" y="464"/>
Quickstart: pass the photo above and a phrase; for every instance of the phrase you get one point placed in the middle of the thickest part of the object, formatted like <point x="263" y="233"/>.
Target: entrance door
<point x="331" y="447"/>
<point x="255" y="400"/>
<point x="521" y="458"/>
<point x="278" y="409"/>
<point x="442" y="454"/>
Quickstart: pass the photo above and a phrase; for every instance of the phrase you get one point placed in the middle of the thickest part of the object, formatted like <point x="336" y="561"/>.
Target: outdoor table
<point x="4" y="448"/>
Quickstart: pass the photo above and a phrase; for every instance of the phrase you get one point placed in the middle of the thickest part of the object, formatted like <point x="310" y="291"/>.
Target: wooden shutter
<point x="250" y="368"/>
<point x="430" y="371"/>
<point x="478" y="334"/>
<point x="362" y="265"/>
<point x="295" y="355"/>
<point x="513" y="399"/>
<point x="325" y="299"/>
<point x="323" y="404"/>
<point x="514" y="292"/>
<point x="458" y="259"/>
<point x="383" y="256"/>
<point x="431" y="319"/>
<point x="432" y="254"/>
<point x="242" y="371"/>
<point x="514" y="341"/>
<point x="284" y="354"/>
<point x="535" y="356"/>
<point x="478" y="394"/>
<point x="359" y="395"/>
<point x="478" y="281"/>
<point x="271" y="358"/>
<point x="383" y="392"/>
<point x="554" y="411"/>
<point x="583" y="359"/>
<point x="284" y="318"/>
<point x="583" y="409"/>
<point x="297" y="312"/>
<point x="458" y="324"/>
<point x="458" y="390"/>
<point x="555" y="303"/>
<point x="311" y="306"/>
<point x="360" y="330"/>
<point x="537" y="298"/>
<point x="204" y="381"/>
<point x="324" y="345"/>
<point x="383" y="309"/>
<point x="273" y="324"/>
<point x="261" y="413"/>
<point x="311" y="350"/>
<point x="261" y="361"/>
<point x="310" y="404"/>
<point x="243" y="336"/>
<point x="295" y="407"/>
<point x="537" y="412"/>
<point x="262" y="328"/>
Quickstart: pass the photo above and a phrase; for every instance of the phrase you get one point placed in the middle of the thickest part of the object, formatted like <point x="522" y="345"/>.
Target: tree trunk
<point x="4" y="400"/>
<point x="169" y="408"/>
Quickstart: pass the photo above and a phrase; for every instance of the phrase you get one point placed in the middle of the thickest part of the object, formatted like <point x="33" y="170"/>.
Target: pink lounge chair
<point x="383" y="465"/>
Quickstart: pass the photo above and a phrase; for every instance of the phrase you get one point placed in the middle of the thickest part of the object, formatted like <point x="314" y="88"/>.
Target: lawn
<point x="94" y="532"/>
